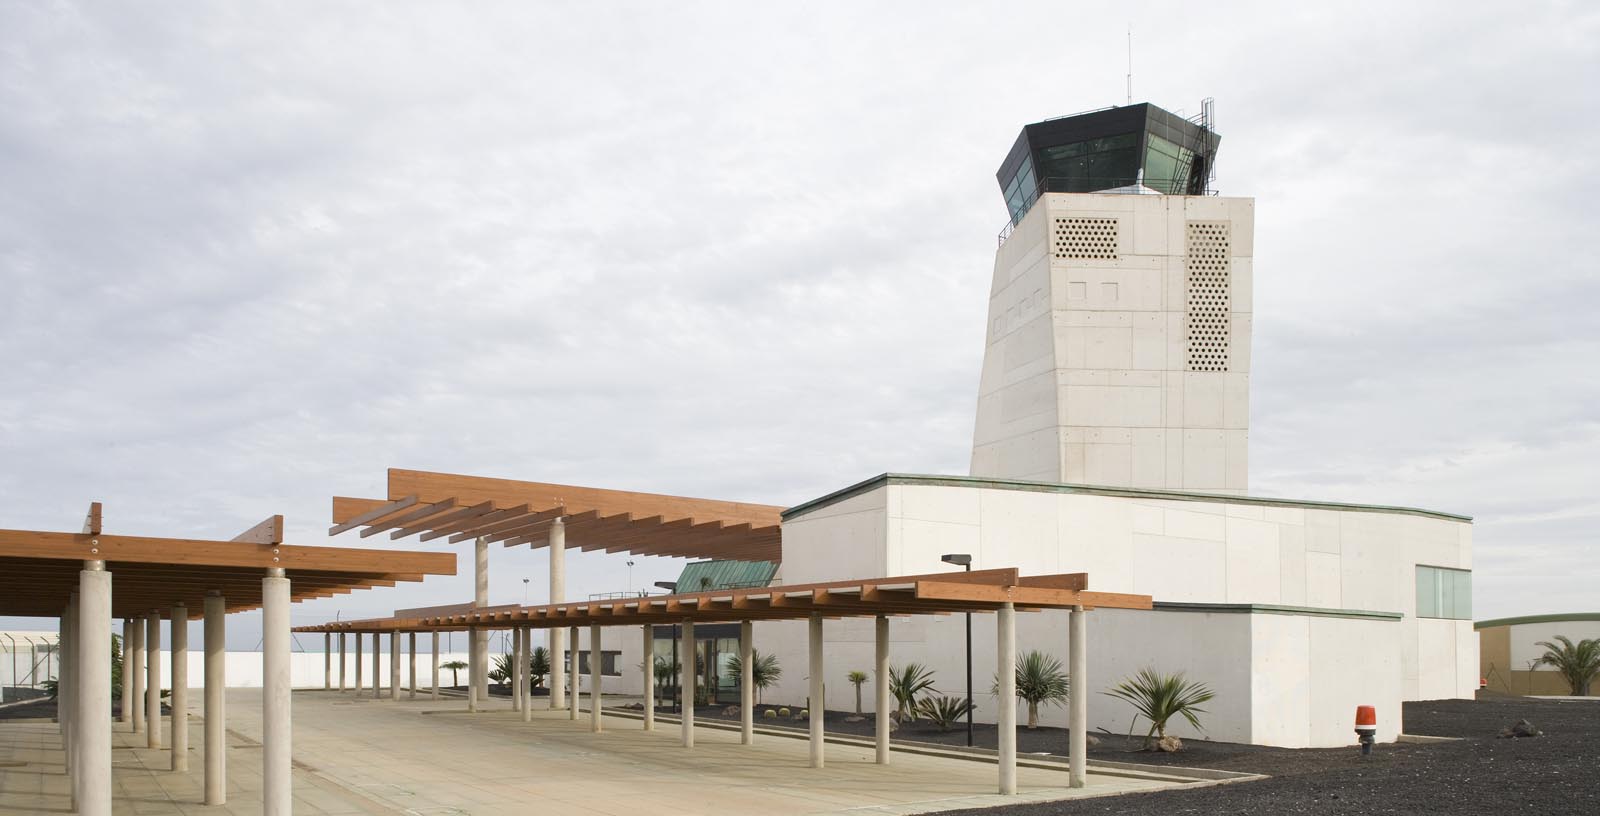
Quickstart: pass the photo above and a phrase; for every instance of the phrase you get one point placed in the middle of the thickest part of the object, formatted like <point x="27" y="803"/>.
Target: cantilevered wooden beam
<point x="267" y="532"/>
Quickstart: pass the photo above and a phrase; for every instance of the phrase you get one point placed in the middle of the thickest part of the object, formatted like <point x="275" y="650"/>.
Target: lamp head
<point x="959" y="559"/>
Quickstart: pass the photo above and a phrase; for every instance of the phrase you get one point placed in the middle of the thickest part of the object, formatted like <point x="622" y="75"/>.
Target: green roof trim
<point x="885" y="479"/>
<point x="1276" y="609"/>
<point x="1571" y="616"/>
<point x="708" y="576"/>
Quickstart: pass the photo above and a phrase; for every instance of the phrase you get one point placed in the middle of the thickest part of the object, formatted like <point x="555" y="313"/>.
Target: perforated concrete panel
<point x="1207" y="269"/>
<point x="1083" y="238"/>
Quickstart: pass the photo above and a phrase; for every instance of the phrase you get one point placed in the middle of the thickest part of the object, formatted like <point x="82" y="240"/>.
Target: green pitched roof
<point x="704" y="576"/>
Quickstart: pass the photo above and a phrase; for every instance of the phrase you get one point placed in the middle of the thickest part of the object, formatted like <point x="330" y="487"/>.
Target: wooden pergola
<point x="70" y="575"/>
<point x="461" y="508"/>
<point x="486" y="510"/>
<point x="1002" y="592"/>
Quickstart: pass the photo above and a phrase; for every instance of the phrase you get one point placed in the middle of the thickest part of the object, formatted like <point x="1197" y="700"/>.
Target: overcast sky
<point x="251" y="255"/>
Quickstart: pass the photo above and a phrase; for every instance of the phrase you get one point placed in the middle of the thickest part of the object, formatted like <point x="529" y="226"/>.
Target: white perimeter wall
<point x="1525" y="635"/>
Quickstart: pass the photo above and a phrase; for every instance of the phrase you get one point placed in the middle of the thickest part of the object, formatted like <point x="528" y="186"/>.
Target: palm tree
<point x="454" y="666"/>
<point x="856" y="679"/>
<point x="539" y="665"/>
<point x="764" y="670"/>
<point x="1157" y="697"/>
<point x="1579" y="663"/>
<point x="1040" y="680"/>
<point x="908" y="684"/>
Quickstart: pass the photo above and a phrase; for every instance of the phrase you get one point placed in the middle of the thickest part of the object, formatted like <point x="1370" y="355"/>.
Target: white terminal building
<point x="1113" y="421"/>
<point x="1112" y="439"/>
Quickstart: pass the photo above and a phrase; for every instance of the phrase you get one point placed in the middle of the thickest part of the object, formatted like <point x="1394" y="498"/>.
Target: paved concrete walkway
<point x="434" y="758"/>
<point x="357" y="755"/>
<point x="33" y="780"/>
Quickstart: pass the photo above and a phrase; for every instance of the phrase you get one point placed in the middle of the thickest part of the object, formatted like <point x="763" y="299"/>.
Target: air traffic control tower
<point x="1118" y="348"/>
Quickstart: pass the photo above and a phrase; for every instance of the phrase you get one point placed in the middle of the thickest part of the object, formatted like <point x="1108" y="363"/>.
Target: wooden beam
<point x="268" y="532"/>
<point x="91" y="522"/>
<point x="420" y="513"/>
<point x="465" y="513"/>
<point x="348" y="513"/>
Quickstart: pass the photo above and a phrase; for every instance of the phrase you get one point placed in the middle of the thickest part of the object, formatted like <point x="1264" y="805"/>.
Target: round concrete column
<point x="127" y="675"/>
<point x="596" y="664"/>
<point x="1006" y="672"/>
<point x="517" y="667"/>
<point x="747" y="690"/>
<point x="377" y="665"/>
<point x="152" y="679"/>
<point x="341" y="661"/>
<point x="572" y="653"/>
<point x="277" y="788"/>
<point x="686" y="682"/>
<point x="1078" y="722"/>
<point x="134" y="664"/>
<point x="327" y="661"/>
<point x="92" y="715"/>
<point x="527" y="674"/>
<point x="558" y="594"/>
<point x="472" y="669"/>
<point x="394" y="666"/>
<point x="411" y="657"/>
<point x="817" y="705"/>
<point x="649" y="678"/>
<point x="358" y="663"/>
<point x="880" y="688"/>
<point x="435" y="665"/>
<point x="216" y="740"/>
<point x="180" y="687"/>
<point x="480" y="640"/>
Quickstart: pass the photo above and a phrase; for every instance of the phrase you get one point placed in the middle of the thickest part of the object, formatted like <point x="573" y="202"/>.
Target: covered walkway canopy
<point x="89" y="577"/>
<point x="555" y="516"/>
<point x="1000" y="591"/>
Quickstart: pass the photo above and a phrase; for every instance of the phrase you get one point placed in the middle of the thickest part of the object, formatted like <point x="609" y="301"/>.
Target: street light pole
<point x="965" y="560"/>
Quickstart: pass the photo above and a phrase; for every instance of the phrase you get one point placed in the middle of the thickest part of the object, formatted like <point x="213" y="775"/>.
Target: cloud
<point x="253" y="256"/>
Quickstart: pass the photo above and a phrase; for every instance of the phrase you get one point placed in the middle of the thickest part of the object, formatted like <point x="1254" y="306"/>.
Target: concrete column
<point x="558" y="594"/>
<point x="527" y="674"/>
<point x="880" y="688"/>
<point x="327" y="661"/>
<point x="67" y="699"/>
<point x="152" y="680"/>
<point x="596" y="665"/>
<point x="649" y="678"/>
<point x="411" y="644"/>
<point x="394" y="666"/>
<point x="747" y="686"/>
<point x="92" y="714"/>
<point x="135" y="650"/>
<point x="180" y="687"/>
<point x="277" y="788"/>
<point x="817" y="705"/>
<point x="377" y="665"/>
<point x="1078" y="702"/>
<point x="518" y="667"/>
<point x="572" y="653"/>
<point x="435" y="665"/>
<point x="215" y="712"/>
<point x="686" y="681"/>
<point x="341" y="661"/>
<point x="1006" y="700"/>
<point x="472" y="669"/>
<point x="358" y="663"/>
<point x="480" y="641"/>
<point x="127" y="675"/>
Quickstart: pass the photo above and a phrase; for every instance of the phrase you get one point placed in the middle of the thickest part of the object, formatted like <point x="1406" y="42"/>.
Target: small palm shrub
<point x="501" y="673"/>
<point x="538" y="665"/>
<point x="1578" y="663"/>
<point x="856" y="679"/>
<point x="943" y="711"/>
<point x="907" y="685"/>
<point x="764" y="670"/>
<point x="769" y="714"/>
<point x="1040" y="681"/>
<point x="1159" y="697"/>
<point x="454" y="666"/>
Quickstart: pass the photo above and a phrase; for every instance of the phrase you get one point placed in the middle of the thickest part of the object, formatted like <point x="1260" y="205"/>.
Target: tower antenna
<point x="1130" y="63"/>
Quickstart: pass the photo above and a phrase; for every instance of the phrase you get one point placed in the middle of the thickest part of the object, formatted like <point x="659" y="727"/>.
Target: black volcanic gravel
<point x="1558" y="773"/>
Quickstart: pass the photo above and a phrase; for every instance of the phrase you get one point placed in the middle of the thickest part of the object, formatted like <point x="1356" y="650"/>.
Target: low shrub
<point x="783" y="712"/>
<point x="769" y="714"/>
